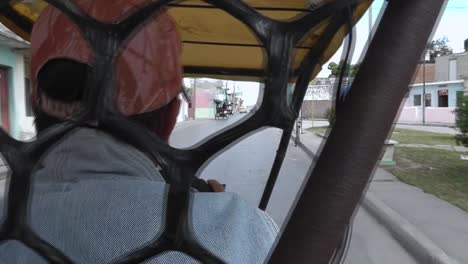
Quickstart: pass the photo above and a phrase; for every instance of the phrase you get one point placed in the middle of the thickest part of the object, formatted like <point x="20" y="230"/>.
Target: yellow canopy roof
<point x="212" y="39"/>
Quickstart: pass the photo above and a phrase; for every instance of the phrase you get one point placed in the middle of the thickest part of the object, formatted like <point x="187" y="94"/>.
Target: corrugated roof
<point x="9" y="38"/>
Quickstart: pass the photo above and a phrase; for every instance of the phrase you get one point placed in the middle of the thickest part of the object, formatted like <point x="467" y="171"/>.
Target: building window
<point x="428" y="101"/>
<point x="27" y="95"/>
<point x="443" y="98"/>
<point x="417" y="100"/>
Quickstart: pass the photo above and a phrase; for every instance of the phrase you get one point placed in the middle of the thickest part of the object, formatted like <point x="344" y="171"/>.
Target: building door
<point x="443" y="98"/>
<point x="4" y="110"/>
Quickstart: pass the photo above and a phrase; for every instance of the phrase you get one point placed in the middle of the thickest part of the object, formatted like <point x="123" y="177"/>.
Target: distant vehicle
<point x="229" y="108"/>
<point x="243" y="110"/>
<point x="221" y="109"/>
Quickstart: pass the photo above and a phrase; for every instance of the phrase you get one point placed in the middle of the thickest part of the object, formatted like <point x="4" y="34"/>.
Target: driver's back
<point x="96" y="200"/>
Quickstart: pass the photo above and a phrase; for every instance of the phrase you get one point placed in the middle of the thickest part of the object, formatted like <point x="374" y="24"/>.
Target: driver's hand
<point x="216" y="186"/>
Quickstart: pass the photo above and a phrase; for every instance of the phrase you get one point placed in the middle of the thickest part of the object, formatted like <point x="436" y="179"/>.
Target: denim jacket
<point x="97" y="199"/>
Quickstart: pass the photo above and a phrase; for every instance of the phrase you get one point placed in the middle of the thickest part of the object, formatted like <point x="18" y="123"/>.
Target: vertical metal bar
<point x="300" y="89"/>
<point x="348" y="158"/>
<point x="302" y="122"/>
<point x="194" y="100"/>
<point x="297" y="139"/>
<point x="280" y="154"/>
<point x="424" y="90"/>
<point x="313" y="102"/>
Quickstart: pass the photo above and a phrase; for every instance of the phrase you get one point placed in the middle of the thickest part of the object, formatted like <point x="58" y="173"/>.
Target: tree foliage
<point x="462" y="122"/>
<point x="439" y="47"/>
<point x="351" y="69"/>
<point x="330" y="114"/>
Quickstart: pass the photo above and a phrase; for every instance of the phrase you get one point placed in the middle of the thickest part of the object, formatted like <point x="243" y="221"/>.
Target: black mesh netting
<point x="22" y="222"/>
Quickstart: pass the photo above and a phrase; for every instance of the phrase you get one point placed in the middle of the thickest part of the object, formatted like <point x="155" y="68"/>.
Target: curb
<point x="427" y="124"/>
<point x="414" y="241"/>
<point x="419" y="245"/>
<point x="3" y="172"/>
<point x="304" y="148"/>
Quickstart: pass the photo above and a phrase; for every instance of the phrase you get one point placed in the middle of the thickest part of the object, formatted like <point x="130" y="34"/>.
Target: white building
<point x="15" y="111"/>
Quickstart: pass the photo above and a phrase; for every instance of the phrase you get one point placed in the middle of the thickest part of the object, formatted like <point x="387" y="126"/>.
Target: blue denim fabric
<point x="97" y="199"/>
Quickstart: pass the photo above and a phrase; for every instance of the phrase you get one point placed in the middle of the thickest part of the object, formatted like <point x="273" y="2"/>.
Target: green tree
<point x="351" y="69"/>
<point x="439" y="47"/>
<point x="462" y="122"/>
<point x="330" y="114"/>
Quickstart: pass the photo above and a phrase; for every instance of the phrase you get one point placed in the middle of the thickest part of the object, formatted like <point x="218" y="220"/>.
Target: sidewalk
<point x="440" y="147"/>
<point x="439" y="222"/>
<point x="429" y="128"/>
<point x="3" y="169"/>
<point x="445" y="224"/>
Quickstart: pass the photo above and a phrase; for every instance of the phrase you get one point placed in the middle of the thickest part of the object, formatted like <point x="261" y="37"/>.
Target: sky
<point x="451" y="25"/>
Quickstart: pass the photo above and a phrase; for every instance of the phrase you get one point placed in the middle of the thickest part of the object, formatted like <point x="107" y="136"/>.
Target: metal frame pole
<point x="338" y="180"/>
<point x="424" y="90"/>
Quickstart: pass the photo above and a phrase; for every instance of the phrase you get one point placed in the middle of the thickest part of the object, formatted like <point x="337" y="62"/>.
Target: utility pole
<point x="313" y="102"/>
<point x="194" y="98"/>
<point x="233" y="99"/>
<point x="425" y="58"/>
<point x="424" y="90"/>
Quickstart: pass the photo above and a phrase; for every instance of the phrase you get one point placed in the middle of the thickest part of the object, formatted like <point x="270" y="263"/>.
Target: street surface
<point x="245" y="168"/>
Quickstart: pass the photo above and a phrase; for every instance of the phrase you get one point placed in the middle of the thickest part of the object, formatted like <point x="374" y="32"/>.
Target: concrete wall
<point x="202" y="113"/>
<point x="24" y="123"/>
<point x="204" y="104"/>
<point x="445" y="115"/>
<point x="8" y="61"/>
<point x="462" y="66"/>
<point x="320" y="108"/>
<point x="442" y="66"/>
<point x="410" y="115"/>
<point x="435" y="115"/>
<point x="21" y="125"/>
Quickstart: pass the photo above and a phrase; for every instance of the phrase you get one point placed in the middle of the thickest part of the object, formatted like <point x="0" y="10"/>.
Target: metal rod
<point x="424" y="90"/>
<point x="336" y="183"/>
<point x="280" y="154"/>
<point x="194" y="105"/>
<point x="297" y="100"/>
<point x="313" y="102"/>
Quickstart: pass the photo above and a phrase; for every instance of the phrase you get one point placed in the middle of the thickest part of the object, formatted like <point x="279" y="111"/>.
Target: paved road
<point x="245" y="167"/>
